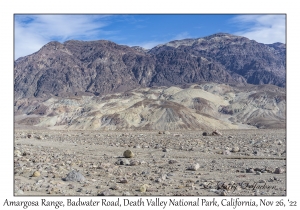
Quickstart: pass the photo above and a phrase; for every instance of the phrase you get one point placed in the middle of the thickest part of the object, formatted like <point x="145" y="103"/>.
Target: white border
<point x="8" y="8"/>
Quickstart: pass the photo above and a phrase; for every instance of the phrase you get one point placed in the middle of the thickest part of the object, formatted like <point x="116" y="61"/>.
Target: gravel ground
<point x="92" y="163"/>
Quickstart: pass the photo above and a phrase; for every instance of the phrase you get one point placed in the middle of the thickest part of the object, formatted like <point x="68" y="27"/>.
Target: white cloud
<point x="183" y="35"/>
<point x="266" y="29"/>
<point x="26" y="42"/>
<point x="146" y="45"/>
<point x="152" y="43"/>
<point x="34" y="31"/>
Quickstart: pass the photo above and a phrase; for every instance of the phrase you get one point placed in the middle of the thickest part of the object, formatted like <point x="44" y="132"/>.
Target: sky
<point x="31" y="32"/>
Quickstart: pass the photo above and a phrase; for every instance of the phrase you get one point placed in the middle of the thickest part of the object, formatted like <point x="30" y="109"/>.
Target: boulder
<point x="128" y="154"/>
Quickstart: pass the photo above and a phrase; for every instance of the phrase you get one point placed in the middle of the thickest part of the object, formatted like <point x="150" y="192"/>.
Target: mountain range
<point x="220" y="81"/>
<point x="101" y="67"/>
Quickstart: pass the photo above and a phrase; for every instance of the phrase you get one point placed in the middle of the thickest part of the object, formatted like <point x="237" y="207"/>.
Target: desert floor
<point x="239" y="162"/>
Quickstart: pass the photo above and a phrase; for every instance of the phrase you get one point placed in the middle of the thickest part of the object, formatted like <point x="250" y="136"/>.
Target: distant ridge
<point x="100" y="67"/>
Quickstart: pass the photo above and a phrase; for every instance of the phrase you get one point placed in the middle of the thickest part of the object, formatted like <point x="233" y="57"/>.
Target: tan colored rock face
<point x="206" y="106"/>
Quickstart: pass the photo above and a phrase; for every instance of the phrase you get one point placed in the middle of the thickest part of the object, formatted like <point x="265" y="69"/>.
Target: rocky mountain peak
<point x="140" y="49"/>
<point x="100" y="67"/>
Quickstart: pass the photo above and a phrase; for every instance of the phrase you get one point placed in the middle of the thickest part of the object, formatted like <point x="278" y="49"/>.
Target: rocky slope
<point x="205" y="106"/>
<point x="256" y="62"/>
<point x="76" y="68"/>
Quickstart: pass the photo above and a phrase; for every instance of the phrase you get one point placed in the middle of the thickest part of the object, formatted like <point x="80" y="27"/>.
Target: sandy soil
<point x="239" y="162"/>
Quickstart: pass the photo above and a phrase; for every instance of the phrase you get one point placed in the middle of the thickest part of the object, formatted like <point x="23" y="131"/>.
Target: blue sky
<point x="34" y="31"/>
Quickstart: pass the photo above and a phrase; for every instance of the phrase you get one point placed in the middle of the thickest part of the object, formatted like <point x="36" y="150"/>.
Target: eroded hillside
<point x="204" y="106"/>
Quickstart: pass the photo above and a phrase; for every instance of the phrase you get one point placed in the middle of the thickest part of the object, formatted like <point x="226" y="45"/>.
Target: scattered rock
<point x="159" y="180"/>
<point x="143" y="188"/>
<point x="235" y="149"/>
<point x="25" y="153"/>
<point x="20" y="192"/>
<point x="53" y="190"/>
<point x="106" y="175"/>
<point x="135" y="162"/>
<point x="147" y="173"/>
<point x="123" y="181"/>
<point x="128" y="154"/>
<point x="39" y="137"/>
<point x="126" y="193"/>
<point x="104" y="193"/>
<point x="215" y="191"/>
<point x="216" y="133"/>
<point x="74" y="176"/>
<point x="223" y="186"/>
<point x="258" y="169"/>
<point x="163" y="177"/>
<point x="157" y="146"/>
<point x="257" y="153"/>
<point x="123" y="162"/>
<point x="194" y="167"/>
<point x="172" y="161"/>
<point x="279" y="170"/>
<point x="114" y="187"/>
<point x="204" y="134"/>
<point x="226" y="152"/>
<point x="250" y="170"/>
<point x="17" y="153"/>
<point x="269" y="169"/>
<point x="36" y="174"/>
<point x="223" y="193"/>
<point x="166" y="150"/>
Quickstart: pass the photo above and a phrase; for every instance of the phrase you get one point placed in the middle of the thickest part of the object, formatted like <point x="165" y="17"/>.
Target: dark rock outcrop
<point x="101" y="67"/>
